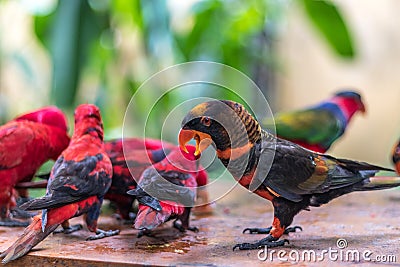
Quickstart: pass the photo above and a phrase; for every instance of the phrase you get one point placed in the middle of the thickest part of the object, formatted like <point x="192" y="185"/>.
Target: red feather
<point x="25" y="144"/>
<point x="78" y="182"/>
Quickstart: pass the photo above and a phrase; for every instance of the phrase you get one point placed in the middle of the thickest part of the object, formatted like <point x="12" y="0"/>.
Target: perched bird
<point x="291" y="177"/>
<point x="317" y="127"/>
<point x="167" y="190"/>
<point x="78" y="182"/>
<point x="127" y="169"/>
<point x="129" y="166"/>
<point x="396" y="157"/>
<point x="26" y="143"/>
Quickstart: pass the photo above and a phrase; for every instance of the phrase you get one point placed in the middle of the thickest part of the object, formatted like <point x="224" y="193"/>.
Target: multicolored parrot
<point x="167" y="190"/>
<point x="396" y="157"/>
<point x="291" y="177"/>
<point x="26" y="143"/>
<point x="78" y="182"/>
<point x="317" y="127"/>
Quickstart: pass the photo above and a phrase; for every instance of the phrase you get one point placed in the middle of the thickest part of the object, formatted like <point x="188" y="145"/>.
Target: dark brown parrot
<point x="291" y="177"/>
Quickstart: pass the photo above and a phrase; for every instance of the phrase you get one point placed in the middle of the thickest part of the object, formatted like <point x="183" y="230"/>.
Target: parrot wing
<point x="71" y="182"/>
<point x="296" y="171"/>
<point x="11" y="153"/>
<point x="163" y="186"/>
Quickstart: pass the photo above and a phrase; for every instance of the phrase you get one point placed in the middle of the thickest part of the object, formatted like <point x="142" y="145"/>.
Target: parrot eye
<point x="206" y="121"/>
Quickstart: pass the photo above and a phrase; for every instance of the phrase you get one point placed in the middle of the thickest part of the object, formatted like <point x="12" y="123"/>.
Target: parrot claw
<point x="143" y="232"/>
<point x="182" y="229"/>
<point x="69" y="229"/>
<point x="102" y="234"/>
<point x="22" y="214"/>
<point x="8" y="222"/>
<point x="292" y="229"/>
<point x="268" y="229"/>
<point x="269" y="242"/>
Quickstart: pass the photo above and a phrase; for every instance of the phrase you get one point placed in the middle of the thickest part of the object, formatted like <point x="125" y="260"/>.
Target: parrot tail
<point x="32" y="235"/>
<point x="378" y="182"/>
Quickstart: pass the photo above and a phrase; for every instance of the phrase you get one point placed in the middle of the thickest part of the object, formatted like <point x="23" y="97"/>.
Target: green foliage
<point x="69" y="34"/>
<point x="82" y="38"/>
<point x="326" y="17"/>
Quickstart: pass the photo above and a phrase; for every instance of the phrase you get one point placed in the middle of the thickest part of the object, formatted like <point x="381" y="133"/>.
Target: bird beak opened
<point x="203" y="140"/>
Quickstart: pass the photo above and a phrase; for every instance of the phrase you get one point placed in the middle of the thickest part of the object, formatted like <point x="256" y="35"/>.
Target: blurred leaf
<point x="325" y="16"/>
<point x="68" y="34"/>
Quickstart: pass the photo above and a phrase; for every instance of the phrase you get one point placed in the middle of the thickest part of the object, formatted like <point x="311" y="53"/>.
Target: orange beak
<point x="203" y="140"/>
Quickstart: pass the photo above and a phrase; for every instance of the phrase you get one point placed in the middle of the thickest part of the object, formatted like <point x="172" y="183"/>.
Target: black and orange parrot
<point x="319" y="126"/>
<point x="167" y="190"/>
<point x="396" y="157"/>
<point x="78" y="182"/>
<point x="26" y="143"/>
<point x="291" y="177"/>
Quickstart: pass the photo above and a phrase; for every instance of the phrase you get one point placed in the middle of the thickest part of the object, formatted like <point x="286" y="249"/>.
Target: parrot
<point x="173" y="182"/>
<point x="27" y="142"/>
<point x="78" y="182"/>
<point x="118" y="146"/>
<point x="291" y="177"/>
<point x="319" y="126"/>
<point x="127" y="169"/>
<point x="396" y="157"/>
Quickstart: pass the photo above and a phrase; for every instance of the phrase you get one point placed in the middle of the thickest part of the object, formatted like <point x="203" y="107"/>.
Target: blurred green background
<point x="100" y="51"/>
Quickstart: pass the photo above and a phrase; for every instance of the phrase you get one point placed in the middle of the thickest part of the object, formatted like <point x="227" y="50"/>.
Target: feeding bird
<point x="167" y="190"/>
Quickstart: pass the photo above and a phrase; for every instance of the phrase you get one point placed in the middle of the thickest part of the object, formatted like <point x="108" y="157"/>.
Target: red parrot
<point x="317" y="127"/>
<point x="140" y="153"/>
<point x="118" y="146"/>
<point x="26" y="143"/>
<point x="78" y="182"/>
<point x="126" y="167"/>
<point x="291" y="177"/>
<point x="129" y="166"/>
<point x="167" y="190"/>
<point x="396" y="157"/>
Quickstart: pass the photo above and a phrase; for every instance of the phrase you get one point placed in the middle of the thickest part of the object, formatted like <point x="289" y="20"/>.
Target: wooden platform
<point x="367" y="221"/>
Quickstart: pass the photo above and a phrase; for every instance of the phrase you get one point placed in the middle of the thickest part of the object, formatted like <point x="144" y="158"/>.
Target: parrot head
<point x="350" y="102"/>
<point x="88" y="121"/>
<point x="225" y="123"/>
<point x="51" y="116"/>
